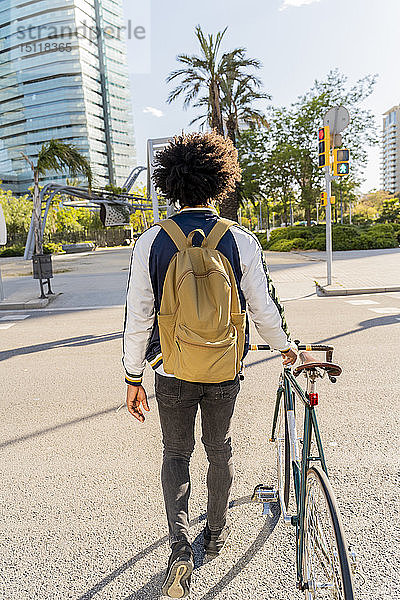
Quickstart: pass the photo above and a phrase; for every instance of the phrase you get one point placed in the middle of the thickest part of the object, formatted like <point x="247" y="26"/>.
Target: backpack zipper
<point x="201" y="345"/>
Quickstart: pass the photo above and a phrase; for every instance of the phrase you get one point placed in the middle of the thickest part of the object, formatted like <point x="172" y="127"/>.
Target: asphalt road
<point x="81" y="504"/>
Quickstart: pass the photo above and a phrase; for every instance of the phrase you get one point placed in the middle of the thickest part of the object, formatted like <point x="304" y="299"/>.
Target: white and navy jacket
<point x="151" y="256"/>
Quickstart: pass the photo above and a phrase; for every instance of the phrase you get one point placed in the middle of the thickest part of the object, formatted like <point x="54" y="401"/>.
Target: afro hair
<point x="196" y="168"/>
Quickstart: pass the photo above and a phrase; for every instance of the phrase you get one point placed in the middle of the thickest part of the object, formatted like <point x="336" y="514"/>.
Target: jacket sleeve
<point x="139" y="309"/>
<point x="263" y="303"/>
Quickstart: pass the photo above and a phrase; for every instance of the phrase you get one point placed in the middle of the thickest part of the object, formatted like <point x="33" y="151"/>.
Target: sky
<point x="297" y="41"/>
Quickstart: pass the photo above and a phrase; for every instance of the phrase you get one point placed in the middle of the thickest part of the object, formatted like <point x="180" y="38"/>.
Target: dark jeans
<point x="178" y="402"/>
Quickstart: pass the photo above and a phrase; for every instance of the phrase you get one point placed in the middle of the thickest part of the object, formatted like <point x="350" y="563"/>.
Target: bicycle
<point x="324" y="565"/>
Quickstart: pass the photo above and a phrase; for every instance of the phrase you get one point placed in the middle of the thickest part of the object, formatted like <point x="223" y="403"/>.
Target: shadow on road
<point x="29" y="436"/>
<point x="82" y="340"/>
<point x="375" y="322"/>
<point x="152" y="588"/>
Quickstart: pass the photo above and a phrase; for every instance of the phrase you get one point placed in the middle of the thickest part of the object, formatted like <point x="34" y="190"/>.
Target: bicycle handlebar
<point x="308" y="347"/>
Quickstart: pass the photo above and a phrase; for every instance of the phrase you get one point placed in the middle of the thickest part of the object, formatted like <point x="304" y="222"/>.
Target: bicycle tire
<point x="340" y="585"/>
<point x="282" y="438"/>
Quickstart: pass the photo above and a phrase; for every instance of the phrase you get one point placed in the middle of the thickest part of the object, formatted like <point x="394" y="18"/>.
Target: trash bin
<point x="42" y="266"/>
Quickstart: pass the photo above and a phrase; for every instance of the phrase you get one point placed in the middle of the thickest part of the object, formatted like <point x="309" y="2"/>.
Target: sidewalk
<point x="369" y="270"/>
<point x="99" y="278"/>
<point x="82" y="279"/>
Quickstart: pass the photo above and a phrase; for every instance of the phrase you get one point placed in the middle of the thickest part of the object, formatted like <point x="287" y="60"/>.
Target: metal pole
<point x="1" y="288"/>
<point x="328" y="227"/>
<point x="350" y="212"/>
<point x="341" y="205"/>
<point x="317" y="213"/>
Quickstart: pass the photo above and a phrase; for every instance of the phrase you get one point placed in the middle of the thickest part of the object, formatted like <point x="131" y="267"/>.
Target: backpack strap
<point x="216" y="233"/>
<point x="175" y="233"/>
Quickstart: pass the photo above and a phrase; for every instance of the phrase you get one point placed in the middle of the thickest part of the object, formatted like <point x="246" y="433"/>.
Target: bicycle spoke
<point x="321" y="558"/>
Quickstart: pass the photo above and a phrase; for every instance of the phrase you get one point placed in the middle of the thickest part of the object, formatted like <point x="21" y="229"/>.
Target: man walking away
<point x="193" y="280"/>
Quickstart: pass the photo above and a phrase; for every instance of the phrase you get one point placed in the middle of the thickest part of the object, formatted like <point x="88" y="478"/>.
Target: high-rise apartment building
<point x="391" y="150"/>
<point x="63" y="75"/>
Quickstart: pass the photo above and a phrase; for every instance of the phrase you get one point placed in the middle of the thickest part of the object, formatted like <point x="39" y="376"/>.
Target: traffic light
<point x="324" y="199"/>
<point x="324" y="145"/>
<point x="341" y="162"/>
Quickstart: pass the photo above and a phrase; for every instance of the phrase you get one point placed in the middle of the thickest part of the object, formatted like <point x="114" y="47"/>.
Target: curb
<point x="323" y="291"/>
<point x="28" y="304"/>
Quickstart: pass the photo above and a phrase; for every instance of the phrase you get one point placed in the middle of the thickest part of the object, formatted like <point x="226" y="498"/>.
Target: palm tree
<point x="229" y="93"/>
<point x="201" y="73"/>
<point x="239" y="90"/>
<point x="56" y="156"/>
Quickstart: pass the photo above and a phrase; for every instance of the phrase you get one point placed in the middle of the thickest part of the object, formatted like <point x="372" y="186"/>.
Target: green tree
<point x="297" y="126"/>
<point x="345" y="190"/>
<point x="17" y="213"/>
<point x="54" y="156"/>
<point x="390" y="211"/>
<point x="252" y="155"/>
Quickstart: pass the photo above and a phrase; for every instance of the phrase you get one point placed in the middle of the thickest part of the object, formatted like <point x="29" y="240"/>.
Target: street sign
<point x="337" y="118"/>
<point x="3" y="228"/>
<point x="337" y="140"/>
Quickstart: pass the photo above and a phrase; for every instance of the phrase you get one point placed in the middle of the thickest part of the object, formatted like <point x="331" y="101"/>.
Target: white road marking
<point x="387" y="310"/>
<point x="360" y="302"/>
<point x="6" y="325"/>
<point x="14" y="317"/>
<point x="60" y="309"/>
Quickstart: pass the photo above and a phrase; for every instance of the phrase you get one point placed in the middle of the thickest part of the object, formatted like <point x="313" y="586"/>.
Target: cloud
<point x="297" y="3"/>
<point x="156" y="112"/>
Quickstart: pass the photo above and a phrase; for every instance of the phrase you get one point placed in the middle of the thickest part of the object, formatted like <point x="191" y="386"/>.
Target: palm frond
<point x="58" y="156"/>
<point x="202" y="118"/>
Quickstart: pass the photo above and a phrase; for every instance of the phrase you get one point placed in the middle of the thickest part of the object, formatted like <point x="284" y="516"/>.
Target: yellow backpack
<point x="202" y="327"/>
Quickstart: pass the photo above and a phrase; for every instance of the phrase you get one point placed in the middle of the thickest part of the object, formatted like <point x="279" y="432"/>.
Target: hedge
<point x="344" y="237"/>
<point x="16" y="250"/>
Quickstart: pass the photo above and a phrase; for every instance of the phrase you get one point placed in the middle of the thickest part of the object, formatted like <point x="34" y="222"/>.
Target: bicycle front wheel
<point x="283" y="455"/>
<point x="326" y="568"/>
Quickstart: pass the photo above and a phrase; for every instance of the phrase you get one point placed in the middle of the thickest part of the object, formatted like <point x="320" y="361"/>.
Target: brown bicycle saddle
<point x="309" y="362"/>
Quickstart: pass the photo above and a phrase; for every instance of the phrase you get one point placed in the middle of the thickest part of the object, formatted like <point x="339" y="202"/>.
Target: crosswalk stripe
<point x="14" y="317"/>
<point x="6" y="325"/>
<point x="361" y="302"/>
<point x="387" y="310"/>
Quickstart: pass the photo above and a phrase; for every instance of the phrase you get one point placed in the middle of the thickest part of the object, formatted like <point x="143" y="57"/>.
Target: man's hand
<point x="136" y="396"/>
<point x="289" y="357"/>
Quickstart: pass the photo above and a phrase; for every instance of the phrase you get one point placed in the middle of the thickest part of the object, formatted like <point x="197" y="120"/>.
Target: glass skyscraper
<point x="390" y="166"/>
<point x="63" y="75"/>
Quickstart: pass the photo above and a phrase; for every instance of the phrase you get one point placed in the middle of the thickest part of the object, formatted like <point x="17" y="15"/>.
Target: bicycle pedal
<point x="265" y="494"/>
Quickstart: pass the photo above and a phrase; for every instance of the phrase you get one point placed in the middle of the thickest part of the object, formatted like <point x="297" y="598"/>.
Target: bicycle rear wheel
<point x="283" y="454"/>
<point x="326" y="568"/>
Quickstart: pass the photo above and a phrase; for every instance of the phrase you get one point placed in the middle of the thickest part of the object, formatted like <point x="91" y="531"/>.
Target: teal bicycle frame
<point x="287" y="390"/>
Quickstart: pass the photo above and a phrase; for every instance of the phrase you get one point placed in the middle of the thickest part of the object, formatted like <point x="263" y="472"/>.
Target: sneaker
<point x="214" y="541"/>
<point x="180" y="567"/>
